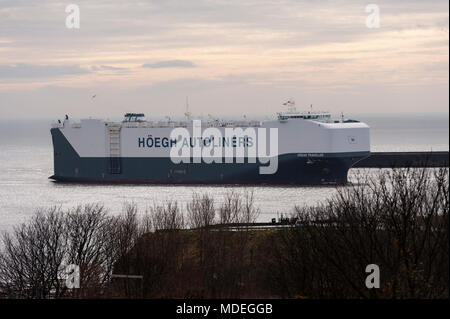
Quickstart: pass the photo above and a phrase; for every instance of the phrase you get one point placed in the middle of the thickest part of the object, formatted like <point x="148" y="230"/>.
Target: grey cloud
<point x="293" y="23"/>
<point x="170" y="64"/>
<point x="31" y="71"/>
<point x="107" y="68"/>
<point x="319" y="62"/>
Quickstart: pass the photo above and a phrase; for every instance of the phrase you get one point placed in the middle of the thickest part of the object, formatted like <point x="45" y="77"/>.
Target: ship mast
<point x="290" y="106"/>
<point x="187" y="113"/>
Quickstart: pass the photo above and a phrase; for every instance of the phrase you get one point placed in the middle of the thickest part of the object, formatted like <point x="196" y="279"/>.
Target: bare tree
<point x="397" y="220"/>
<point x="200" y="210"/>
<point x="32" y="256"/>
<point x="166" y="217"/>
<point x="156" y="255"/>
<point x="36" y="254"/>
<point x="230" y="209"/>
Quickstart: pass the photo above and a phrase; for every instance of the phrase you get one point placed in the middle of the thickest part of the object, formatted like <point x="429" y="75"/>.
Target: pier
<point x="404" y="159"/>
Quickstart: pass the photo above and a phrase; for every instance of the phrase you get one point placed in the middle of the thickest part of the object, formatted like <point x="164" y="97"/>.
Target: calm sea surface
<point x="26" y="163"/>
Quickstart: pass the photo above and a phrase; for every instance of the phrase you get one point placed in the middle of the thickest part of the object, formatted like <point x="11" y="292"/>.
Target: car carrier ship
<point x="312" y="148"/>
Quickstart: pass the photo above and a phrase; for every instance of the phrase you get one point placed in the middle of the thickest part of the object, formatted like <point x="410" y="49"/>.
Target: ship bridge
<point x="292" y="113"/>
<point x="134" y="117"/>
<point x="284" y="116"/>
<point x="320" y="116"/>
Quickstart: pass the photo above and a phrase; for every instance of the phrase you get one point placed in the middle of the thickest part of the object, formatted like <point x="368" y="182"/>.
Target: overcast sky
<point x="228" y="56"/>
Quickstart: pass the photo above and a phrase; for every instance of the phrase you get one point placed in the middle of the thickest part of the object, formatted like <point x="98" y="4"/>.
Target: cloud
<point x="254" y="49"/>
<point x="327" y="61"/>
<point x="32" y="71"/>
<point x="107" y="68"/>
<point x="170" y="64"/>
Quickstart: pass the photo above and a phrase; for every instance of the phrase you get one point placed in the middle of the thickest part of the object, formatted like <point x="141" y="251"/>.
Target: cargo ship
<point x="294" y="148"/>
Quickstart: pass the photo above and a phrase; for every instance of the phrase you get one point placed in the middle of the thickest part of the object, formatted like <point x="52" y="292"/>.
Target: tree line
<point x="397" y="219"/>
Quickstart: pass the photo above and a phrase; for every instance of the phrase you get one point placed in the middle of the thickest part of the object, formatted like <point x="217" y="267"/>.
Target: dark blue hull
<point x="292" y="169"/>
